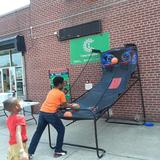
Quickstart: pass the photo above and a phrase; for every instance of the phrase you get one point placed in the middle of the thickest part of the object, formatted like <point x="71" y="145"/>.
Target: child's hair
<point x="57" y="81"/>
<point x="10" y="103"/>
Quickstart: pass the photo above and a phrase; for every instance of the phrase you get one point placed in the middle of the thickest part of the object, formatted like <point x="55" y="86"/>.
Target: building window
<point x="4" y="59"/>
<point x="12" y="72"/>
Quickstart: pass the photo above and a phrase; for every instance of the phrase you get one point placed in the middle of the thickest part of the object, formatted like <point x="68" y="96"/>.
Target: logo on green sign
<point x="87" y="45"/>
<point x="81" y="48"/>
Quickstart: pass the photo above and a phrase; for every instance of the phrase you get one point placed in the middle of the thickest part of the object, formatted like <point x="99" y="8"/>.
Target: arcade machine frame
<point x="100" y="152"/>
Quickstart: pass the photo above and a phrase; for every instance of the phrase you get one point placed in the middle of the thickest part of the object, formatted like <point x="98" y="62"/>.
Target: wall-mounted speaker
<point x="81" y="30"/>
<point x="16" y="42"/>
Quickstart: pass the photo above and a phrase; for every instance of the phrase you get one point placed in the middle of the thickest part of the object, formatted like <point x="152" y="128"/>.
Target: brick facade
<point x="127" y="21"/>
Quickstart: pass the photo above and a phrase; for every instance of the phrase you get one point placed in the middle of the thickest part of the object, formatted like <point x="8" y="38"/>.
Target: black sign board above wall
<point x="81" y="30"/>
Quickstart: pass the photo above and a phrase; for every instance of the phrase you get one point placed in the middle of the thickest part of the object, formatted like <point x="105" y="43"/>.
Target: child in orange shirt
<point x="48" y="115"/>
<point x="17" y="129"/>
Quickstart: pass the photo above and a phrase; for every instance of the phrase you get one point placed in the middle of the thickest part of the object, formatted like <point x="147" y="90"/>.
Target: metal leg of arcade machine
<point x="100" y="152"/>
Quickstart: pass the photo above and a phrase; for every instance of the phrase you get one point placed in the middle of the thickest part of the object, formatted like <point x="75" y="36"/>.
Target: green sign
<point x="65" y="75"/>
<point x="81" y="48"/>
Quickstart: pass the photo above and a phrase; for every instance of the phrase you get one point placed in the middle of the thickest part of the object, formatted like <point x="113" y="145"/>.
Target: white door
<point x="8" y="80"/>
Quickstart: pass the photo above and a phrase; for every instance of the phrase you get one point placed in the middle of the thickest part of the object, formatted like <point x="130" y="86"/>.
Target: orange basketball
<point x="114" y="60"/>
<point x="68" y="114"/>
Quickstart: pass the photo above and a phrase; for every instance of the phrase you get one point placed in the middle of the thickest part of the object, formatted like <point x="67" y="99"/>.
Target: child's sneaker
<point x="30" y="156"/>
<point x="59" y="154"/>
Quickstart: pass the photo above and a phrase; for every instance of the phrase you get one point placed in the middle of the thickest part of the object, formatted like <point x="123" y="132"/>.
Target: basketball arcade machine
<point x="112" y="90"/>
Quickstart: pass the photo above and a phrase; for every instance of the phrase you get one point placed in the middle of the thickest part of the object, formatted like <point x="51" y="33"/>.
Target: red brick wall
<point x="127" y="22"/>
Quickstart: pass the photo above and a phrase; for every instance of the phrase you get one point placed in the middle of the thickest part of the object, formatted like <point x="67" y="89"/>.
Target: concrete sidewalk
<point x="121" y="142"/>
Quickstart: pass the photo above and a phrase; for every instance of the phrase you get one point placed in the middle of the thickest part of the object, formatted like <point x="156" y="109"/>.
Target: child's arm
<point x="23" y="154"/>
<point x="66" y="105"/>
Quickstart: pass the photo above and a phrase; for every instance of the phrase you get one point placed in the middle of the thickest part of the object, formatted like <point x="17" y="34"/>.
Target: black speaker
<point x="16" y="42"/>
<point x="20" y="43"/>
<point x="81" y="30"/>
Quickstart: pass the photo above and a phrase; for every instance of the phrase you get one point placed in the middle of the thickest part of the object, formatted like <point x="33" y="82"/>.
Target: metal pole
<point x="141" y="91"/>
<point x="96" y="140"/>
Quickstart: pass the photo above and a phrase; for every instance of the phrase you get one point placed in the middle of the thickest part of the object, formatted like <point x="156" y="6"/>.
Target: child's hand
<point x="24" y="156"/>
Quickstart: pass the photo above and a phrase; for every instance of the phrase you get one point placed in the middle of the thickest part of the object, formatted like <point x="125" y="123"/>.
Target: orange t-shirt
<point x="53" y="101"/>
